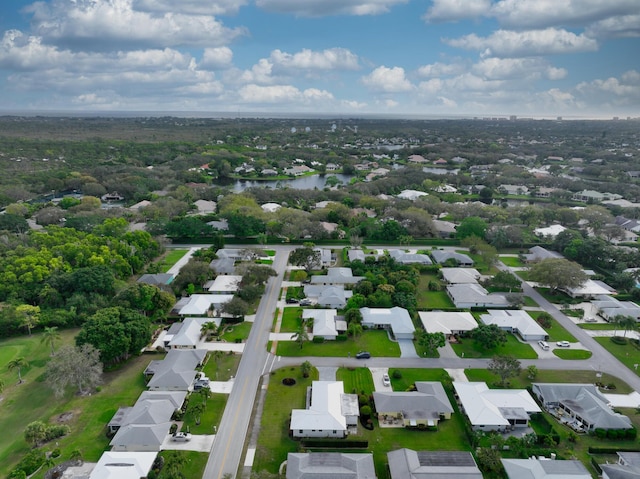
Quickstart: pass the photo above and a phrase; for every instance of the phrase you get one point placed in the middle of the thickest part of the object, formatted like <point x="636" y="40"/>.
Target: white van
<point x="544" y="345"/>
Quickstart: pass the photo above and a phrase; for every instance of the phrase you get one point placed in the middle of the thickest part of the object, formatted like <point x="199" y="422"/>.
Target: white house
<point x="495" y="409"/>
<point x="325" y="324"/>
<point x="441" y="257"/>
<point x="200" y="304"/>
<point x="411" y="195"/>
<point x="590" y="289"/>
<point x="543" y="468"/>
<point x="549" y="231"/>
<point x="225" y="284"/>
<point x="460" y="275"/>
<point x="395" y="319"/>
<point x="189" y="333"/>
<point x="449" y="323"/>
<point x="516" y="321"/>
<point x="475" y="296"/>
<point x="123" y="465"/>
<point x="409" y="258"/>
<point x="336" y="276"/>
<point x="627" y="467"/>
<point x="329" y="411"/>
<point x="609" y="307"/>
<point x="328" y="296"/>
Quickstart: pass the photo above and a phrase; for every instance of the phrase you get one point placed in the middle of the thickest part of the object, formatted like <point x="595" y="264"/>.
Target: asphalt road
<point x="226" y="452"/>
<point x="229" y="443"/>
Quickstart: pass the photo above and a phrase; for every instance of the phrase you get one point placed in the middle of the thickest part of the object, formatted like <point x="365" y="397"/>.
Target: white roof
<point x="411" y="194"/>
<point x="460" y="275"/>
<point x="447" y="321"/>
<point x="514" y="319"/>
<point x="324" y="321"/>
<point x="533" y="468"/>
<point x="397" y="318"/>
<point x="226" y="283"/>
<point x="199" y="304"/>
<point x="483" y="405"/>
<point x="551" y="231"/>
<point x="190" y="332"/>
<point x="589" y="288"/>
<point x="123" y="465"/>
<point x="325" y="412"/>
<point x="271" y="207"/>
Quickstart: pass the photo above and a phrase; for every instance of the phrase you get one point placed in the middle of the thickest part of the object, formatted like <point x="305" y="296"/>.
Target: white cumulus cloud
<point x="330" y="59"/>
<point x="194" y="7"/>
<point x="454" y="10"/>
<point x="509" y="43"/>
<point x="217" y="58"/>
<point x="388" y="80"/>
<point x="321" y="8"/>
<point x="517" y="68"/>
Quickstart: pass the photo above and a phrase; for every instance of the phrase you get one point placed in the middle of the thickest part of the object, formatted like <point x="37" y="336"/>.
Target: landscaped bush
<point x="396" y="374"/>
<point x="318" y="339"/>
<point x="56" y="431"/>
<point x="619" y="340"/>
<point x="31" y="462"/>
<point x="341" y="337"/>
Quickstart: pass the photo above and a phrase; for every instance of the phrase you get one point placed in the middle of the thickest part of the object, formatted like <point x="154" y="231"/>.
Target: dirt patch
<point x="65" y="417"/>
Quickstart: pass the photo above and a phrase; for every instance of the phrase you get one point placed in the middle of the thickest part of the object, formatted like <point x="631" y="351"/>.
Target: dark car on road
<point x="363" y="355"/>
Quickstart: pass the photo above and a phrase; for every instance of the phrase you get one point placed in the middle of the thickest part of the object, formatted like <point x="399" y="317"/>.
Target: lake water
<point x="301" y="183"/>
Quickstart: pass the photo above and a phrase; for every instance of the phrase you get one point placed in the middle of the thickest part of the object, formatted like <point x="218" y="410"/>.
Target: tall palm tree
<point x="301" y="335"/>
<point x="627" y="323"/>
<point x="18" y="363"/>
<point x="355" y="329"/>
<point x="50" y="336"/>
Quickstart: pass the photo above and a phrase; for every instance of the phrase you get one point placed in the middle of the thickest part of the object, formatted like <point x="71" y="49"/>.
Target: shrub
<point x="631" y="433"/>
<point x="341" y="337"/>
<point x="619" y="340"/>
<point x="56" y="431"/>
<point x="55" y="453"/>
<point x="31" y="462"/>
<point x="318" y="339"/>
<point x="600" y="433"/>
<point x="396" y="374"/>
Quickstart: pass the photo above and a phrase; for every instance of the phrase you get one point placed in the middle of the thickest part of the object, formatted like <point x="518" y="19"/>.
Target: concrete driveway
<point x="407" y="350"/>
<point x="199" y="443"/>
<point x="377" y="373"/>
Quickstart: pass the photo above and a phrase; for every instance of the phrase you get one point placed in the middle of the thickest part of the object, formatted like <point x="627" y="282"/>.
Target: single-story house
<point x="594" y="196"/>
<point x="144" y="411"/>
<point x="336" y="276"/>
<point x="409" y="258"/>
<point x="609" y="307"/>
<point x="223" y="265"/>
<point x="321" y="465"/>
<point x="424" y="407"/>
<point x="329" y="411"/>
<point x="549" y="231"/>
<point x="188" y="334"/>
<point x="220" y="225"/>
<point x="161" y="280"/>
<point x="411" y="195"/>
<point x="205" y="207"/>
<point x="441" y="257"/>
<point x="270" y="207"/>
<point x="240" y="254"/>
<point x="325" y="323"/>
<point x="445" y="229"/>
<point x="513" y="189"/>
<point x="177" y="371"/>
<point x="538" y="253"/>
<point x="581" y="406"/>
<point x="449" y="323"/>
<point x="466" y="296"/>
<point x="356" y="255"/>
<point x="327" y="257"/>
<point x="627" y="467"/>
<point x="395" y="319"/>
<point x="176" y="397"/>
<point x="590" y="289"/>
<point x="409" y="464"/>
<point x="328" y="296"/>
<point x="516" y="321"/>
<point x="543" y="468"/>
<point x="140" y="437"/>
<point x="225" y="284"/>
<point x="123" y="465"/>
<point x="200" y="304"/>
<point x="460" y="275"/>
<point x="495" y="409"/>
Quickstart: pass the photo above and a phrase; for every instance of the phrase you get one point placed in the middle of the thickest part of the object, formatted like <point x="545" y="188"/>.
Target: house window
<point x="300" y="431"/>
<point x="334" y="431"/>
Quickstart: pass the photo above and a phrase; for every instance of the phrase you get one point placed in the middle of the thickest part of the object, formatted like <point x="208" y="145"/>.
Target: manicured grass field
<point x="171" y="258"/>
<point x="194" y="465"/>
<point x="431" y="299"/>
<point x="237" y="331"/>
<point x="469" y="348"/>
<point x="556" y="331"/>
<point x="598" y="326"/>
<point x="530" y="302"/>
<point x="374" y="341"/>
<point x="290" y="319"/>
<point x="572" y="353"/>
<point x="356" y="381"/>
<point x="626" y="353"/>
<point x="224" y="368"/>
<point x="512" y="261"/>
<point x="210" y="417"/>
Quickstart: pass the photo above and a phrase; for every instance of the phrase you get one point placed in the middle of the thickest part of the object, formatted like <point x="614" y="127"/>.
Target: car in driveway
<point x="563" y="344"/>
<point x="386" y="382"/>
<point x="305" y="302"/>
<point x="181" y="436"/>
<point x="363" y="355"/>
<point x="292" y="301"/>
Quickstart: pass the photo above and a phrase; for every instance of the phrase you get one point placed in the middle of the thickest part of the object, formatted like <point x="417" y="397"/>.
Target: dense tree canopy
<point x="557" y="273"/>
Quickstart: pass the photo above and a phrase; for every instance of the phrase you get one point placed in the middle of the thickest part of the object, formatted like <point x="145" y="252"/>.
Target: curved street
<point x="229" y="444"/>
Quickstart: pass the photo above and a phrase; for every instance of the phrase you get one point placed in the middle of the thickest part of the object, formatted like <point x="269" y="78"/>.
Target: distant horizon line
<point x="296" y="115"/>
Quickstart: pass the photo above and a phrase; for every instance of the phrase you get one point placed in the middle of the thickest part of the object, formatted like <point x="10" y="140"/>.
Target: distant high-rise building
<point x="513" y="118"/>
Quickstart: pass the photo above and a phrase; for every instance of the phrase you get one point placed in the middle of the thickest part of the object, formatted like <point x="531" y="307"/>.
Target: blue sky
<point x="540" y="58"/>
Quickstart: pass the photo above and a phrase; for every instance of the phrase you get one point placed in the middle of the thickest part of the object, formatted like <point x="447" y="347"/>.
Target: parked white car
<point x="386" y="382"/>
<point x="181" y="437"/>
<point x="563" y="344"/>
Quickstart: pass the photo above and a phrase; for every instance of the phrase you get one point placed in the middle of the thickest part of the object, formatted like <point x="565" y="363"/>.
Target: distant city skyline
<point x="379" y="58"/>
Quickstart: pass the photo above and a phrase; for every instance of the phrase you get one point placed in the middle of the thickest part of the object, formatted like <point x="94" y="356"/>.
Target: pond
<point x="300" y="183"/>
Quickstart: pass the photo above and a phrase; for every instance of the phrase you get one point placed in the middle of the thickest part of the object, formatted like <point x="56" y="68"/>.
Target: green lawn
<point x="194" y="465"/>
<point x="627" y="354"/>
<point x="528" y="301"/>
<point x="223" y="368"/>
<point x="233" y="332"/>
<point x="274" y="442"/>
<point x="598" y="326"/>
<point x="410" y="376"/>
<point x="290" y="319"/>
<point x="556" y="331"/>
<point x="512" y="261"/>
<point x="171" y="258"/>
<point x="572" y="353"/>
<point x="432" y="299"/>
<point x="549" y="376"/>
<point x="374" y="341"/>
<point x="469" y="348"/>
<point x="210" y="416"/>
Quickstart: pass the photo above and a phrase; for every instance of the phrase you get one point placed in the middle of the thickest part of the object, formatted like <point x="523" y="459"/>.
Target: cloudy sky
<point x="349" y="57"/>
